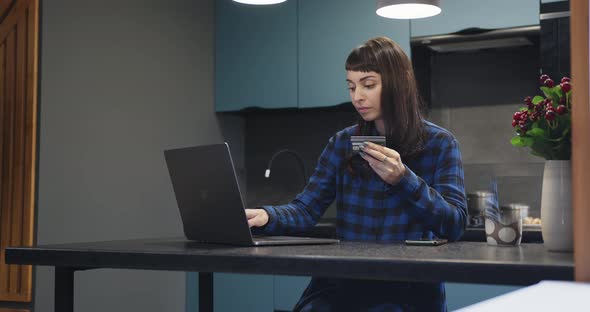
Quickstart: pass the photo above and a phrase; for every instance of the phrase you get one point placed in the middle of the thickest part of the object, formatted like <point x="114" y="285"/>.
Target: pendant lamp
<point x="407" y="9"/>
<point x="260" y="2"/>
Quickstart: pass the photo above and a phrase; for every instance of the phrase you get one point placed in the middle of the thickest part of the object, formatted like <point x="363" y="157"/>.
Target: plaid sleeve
<point x="303" y="212"/>
<point x="442" y="205"/>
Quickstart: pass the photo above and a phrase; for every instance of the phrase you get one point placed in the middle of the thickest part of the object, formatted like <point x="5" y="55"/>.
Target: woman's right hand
<point x="257" y="217"/>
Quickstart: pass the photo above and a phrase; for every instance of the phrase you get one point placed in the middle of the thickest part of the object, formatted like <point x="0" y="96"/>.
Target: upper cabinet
<point x="292" y="54"/>
<point x="328" y="31"/>
<point x="457" y="15"/>
<point x="255" y="55"/>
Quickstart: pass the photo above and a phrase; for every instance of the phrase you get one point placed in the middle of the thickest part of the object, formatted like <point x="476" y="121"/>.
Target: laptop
<point x="209" y="199"/>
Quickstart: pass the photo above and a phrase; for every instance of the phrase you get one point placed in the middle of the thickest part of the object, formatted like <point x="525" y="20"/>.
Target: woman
<point x="411" y="189"/>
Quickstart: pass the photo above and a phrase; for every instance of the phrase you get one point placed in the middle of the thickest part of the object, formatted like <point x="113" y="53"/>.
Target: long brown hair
<point x="401" y="105"/>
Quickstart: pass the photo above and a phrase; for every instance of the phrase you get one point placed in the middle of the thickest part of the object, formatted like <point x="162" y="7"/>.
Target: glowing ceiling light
<point x="260" y="2"/>
<point x="408" y="9"/>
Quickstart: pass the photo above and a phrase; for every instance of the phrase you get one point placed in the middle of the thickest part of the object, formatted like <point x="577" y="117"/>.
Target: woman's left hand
<point x="385" y="162"/>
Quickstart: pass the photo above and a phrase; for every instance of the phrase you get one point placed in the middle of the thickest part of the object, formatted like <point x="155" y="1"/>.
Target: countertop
<point x="327" y="228"/>
<point x="466" y="262"/>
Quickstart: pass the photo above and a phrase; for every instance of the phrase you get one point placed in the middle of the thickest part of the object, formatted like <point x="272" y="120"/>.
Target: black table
<point x="465" y="262"/>
<point x="530" y="234"/>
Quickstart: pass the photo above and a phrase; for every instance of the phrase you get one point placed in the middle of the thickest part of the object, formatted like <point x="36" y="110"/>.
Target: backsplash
<point x="474" y="95"/>
<point x="304" y="131"/>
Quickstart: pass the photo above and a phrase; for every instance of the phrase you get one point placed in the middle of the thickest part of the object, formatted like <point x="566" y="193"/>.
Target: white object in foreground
<point x="544" y="296"/>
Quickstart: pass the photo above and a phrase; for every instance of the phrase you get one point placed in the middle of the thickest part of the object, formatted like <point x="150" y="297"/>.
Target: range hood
<point x="473" y="39"/>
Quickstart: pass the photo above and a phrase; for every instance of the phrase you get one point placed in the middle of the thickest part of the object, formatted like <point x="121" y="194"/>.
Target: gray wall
<point x="120" y="82"/>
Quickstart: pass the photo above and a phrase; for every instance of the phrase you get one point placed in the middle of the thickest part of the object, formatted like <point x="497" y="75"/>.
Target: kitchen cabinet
<point x="292" y="54"/>
<point x="288" y="290"/>
<point x="457" y="15"/>
<point x="242" y="292"/>
<point x="255" y="55"/>
<point x="251" y="292"/>
<point x="328" y="31"/>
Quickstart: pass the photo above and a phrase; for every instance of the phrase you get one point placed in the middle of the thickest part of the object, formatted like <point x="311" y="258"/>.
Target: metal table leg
<point x="64" y="289"/>
<point x="205" y="292"/>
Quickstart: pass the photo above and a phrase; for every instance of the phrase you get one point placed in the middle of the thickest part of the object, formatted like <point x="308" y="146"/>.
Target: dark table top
<point x="470" y="262"/>
<point x="327" y="228"/>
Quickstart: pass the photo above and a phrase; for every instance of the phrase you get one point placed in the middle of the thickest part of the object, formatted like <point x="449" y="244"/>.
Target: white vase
<point x="556" y="206"/>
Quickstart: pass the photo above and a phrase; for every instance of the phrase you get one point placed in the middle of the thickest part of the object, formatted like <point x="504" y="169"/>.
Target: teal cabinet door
<point x="288" y="290"/>
<point x="462" y="295"/>
<point x="255" y="55"/>
<point x="242" y="292"/>
<point x="461" y="14"/>
<point x="328" y="31"/>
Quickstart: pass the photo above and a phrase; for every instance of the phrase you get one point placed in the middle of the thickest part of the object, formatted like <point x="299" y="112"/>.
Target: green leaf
<point x="516" y="141"/>
<point x="521" y="141"/>
<point x="558" y="91"/>
<point x="536" y="132"/>
<point x="543" y="149"/>
<point x="538" y="99"/>
<point x="527" y="141"/>
<point x="551" y="94"/>
<point x="553" y="140"/>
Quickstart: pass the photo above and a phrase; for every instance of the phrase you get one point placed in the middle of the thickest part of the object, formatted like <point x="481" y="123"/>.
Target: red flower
<point x="549" y="83"/>
<point x="565" y="86"/>
<point x="550" y="115"/>
<point x="543" y="124"/>
<point x="516" y="116"/>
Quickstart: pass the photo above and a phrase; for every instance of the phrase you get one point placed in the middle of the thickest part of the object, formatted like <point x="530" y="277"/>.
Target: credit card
<point x="358" y="140"/>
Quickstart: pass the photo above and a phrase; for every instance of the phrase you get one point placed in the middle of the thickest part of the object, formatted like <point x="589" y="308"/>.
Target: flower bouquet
<point x="544" y="123"/>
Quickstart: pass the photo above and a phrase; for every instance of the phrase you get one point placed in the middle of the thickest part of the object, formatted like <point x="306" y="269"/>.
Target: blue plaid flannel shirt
<point x="429" y="201"/>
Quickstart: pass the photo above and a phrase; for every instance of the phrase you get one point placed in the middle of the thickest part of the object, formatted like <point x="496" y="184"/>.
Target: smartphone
<point x="426" y="242"/>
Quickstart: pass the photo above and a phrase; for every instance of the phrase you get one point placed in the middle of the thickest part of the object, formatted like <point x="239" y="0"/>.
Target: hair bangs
<point x="361" y="60"/>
